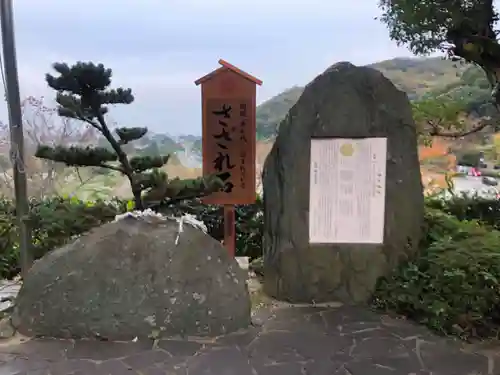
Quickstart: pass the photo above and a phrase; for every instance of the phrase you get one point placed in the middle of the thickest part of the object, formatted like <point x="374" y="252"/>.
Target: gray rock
<point x="346" y="102"/>
<point x="128" y="279"/>
<point x="7" y="330"/>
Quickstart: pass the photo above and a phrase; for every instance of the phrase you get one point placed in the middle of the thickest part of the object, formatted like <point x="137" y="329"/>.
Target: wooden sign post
<point x="228" y="98"/>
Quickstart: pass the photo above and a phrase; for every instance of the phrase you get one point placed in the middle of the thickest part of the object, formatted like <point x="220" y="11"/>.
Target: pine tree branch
<point x="122" y="158"/>
<point x="112" y="167"/>
<point x="170" y="201"/>
<point x="179" y="198"/>
<point x="435" y="132"/>
<point x="91" y="123"/>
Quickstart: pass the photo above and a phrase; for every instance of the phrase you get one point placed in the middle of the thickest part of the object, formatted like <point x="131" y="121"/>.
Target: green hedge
<point x="452" y="286"/>
<point x="487" y="211"/>
<point x="55" y="221"/>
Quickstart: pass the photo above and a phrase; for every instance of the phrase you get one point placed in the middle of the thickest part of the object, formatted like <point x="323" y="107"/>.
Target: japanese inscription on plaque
<point x="347" y="190"/>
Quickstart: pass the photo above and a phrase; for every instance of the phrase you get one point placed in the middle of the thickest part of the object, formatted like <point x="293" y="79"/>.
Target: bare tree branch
<point x="435" y="132"/>
<point x="42" y="125"/>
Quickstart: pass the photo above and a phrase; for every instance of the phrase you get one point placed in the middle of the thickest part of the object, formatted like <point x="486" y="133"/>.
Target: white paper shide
<point x="347" y="190"/>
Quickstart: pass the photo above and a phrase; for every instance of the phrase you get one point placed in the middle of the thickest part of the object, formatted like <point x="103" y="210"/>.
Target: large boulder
<point x="345" y="102"/>
<point x="130" y="279"/>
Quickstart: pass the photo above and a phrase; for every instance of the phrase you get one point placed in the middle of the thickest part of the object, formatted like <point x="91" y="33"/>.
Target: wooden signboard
<point x="228" y="137"/>
<point x="229" y="134"/>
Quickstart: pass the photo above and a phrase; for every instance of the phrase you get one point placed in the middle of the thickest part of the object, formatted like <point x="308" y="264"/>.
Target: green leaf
<point x="130" y="134"/>
<point x="130" y="205"/>
<point x="143" y="163"/>
<point x="75" y="155"/>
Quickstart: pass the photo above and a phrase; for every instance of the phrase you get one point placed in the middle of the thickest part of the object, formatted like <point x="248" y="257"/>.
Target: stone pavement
<point x="334" y="340"/>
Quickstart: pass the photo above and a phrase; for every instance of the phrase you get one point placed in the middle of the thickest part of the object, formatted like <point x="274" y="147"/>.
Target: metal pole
<point x="16" y="132"/>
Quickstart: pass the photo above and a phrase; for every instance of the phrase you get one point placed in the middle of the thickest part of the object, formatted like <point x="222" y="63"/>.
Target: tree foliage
<point x="464" y="29"/>
<point x="444" y="117"/>
<point x="84" y="93"/>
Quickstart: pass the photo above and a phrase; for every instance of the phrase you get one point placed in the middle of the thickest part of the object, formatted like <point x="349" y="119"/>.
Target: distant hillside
<point x="190" y="154"/>
<point x="416" y="77"/>
<point x="272" y="111"/>
<point x="419" y="76"/>
<point x="150" y="145"/>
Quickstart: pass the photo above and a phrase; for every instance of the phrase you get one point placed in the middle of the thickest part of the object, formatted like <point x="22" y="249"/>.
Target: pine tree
<point x="83" y="93"/>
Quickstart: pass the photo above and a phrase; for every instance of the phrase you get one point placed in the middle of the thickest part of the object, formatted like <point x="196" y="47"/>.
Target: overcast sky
<point x="160" y="47"/>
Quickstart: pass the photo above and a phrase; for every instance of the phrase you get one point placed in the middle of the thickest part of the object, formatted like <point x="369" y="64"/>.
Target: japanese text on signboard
<point x="227" y="147"/>
<point x="223" y="138"/>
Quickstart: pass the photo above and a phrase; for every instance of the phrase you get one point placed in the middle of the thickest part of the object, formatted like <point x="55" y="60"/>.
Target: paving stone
<point x="21" y="365"/>
<point x="298" y="319"/>
<point x="174" y="366"/>
<point x="72" y="366"/>
<point x="180" y="348"/>
<point x="146" y="359"/>
<point x="240" y="339"/>
<point x="220" y="361"/>
<point x="293" y="340"/>
<point x="103" y="350"/>
<point x="404" y="329"/>
<point x="278" y="347"/>
<point x="447" y="359"/>
<point x="40" y="349"/>
<point x="112" y="367"/>
<point x="35" y="372"/>
<point x="378" y="347"/>
<point x="293" y="368"/>
<point x="367" y="366"/>
<point x="153" y="370"/>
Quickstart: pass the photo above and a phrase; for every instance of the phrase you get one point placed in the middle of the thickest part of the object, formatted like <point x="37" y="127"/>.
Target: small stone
<point x="6" y="329"/>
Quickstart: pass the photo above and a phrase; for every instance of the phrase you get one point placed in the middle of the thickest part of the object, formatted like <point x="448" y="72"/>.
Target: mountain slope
<point x="416" y="77"/>
<point x="419" y="76"/>
<point x="272" y="111"/>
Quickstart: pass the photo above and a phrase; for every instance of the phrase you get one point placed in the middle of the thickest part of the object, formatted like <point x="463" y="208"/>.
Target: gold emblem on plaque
<point x="347" y="149"/>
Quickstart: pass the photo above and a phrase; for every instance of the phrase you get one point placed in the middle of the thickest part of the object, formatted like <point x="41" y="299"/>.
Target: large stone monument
<point x="342" y="189"/>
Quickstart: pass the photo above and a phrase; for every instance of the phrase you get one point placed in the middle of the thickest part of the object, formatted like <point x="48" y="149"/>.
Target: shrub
<point x="469" y="158"/>
<point x="463" y="207"/>
<point x="452" y="286"/>
<point x="53" y="222"/>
